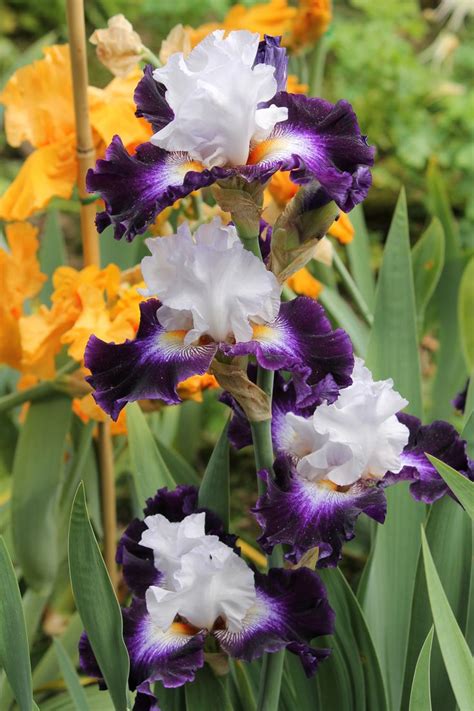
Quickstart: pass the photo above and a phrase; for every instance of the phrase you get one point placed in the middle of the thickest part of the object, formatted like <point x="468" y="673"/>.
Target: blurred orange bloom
<point x="193" y="387"/>
<point x="21" y="279"/>
<point x="300" y="24"/>
<point x="303" y="282"/>
<point x="39" y="111"/>
<point x="312" y="20"/>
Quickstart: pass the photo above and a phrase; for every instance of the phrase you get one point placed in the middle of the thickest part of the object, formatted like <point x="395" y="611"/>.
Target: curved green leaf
<point x="37" y="477"/>
<point x="466" y="313"/>
<point x="183" y="472"/>
<point x="148" y="466"/>
<point x="351" y="678"/>
<point x="358" y="252"/>
<point x="459" y="484"/>
<point x="97" y="604"/>
<point x="14" y="652"/>
<point x="70" y="677"/>
<point x="447" y="529"/>
<point x="420" y="697"/>
<point x="207" y="692"/>
<point x="456" y="654"/>
<point x="428" y="261"/>
<point x="214" y="492"/>
<point x="393" y="353"/>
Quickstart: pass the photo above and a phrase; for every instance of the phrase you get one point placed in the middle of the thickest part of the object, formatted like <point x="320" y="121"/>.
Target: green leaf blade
<point x="148" y="466"/>
<point x="37" y="478"/>
<point x="214" y="492"/>
<point x="420" y="697"/>
<point x="14" y="652"/>
<point x="456" y="654"/>
<point x="97" y="604"/>
<point x="459" y="484"/>
<point x="70" y="677"/>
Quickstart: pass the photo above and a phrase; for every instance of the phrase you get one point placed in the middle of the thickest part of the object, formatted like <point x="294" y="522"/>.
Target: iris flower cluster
<point x="339" y="437"/>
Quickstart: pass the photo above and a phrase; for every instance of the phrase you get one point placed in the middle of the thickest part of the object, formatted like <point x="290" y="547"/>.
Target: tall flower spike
<point x="192" y="583"/>
<point x="222" y="112"/>
<point x="206" y="305"/>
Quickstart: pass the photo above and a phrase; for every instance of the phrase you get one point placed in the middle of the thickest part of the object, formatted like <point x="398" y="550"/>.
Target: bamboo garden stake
<point x="90" y="243"/>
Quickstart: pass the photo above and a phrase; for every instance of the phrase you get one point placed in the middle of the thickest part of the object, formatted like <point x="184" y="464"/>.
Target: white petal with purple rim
<point x="209" y="284"/>
<point x="215" y="94"/>
<point x="357" y="436"/>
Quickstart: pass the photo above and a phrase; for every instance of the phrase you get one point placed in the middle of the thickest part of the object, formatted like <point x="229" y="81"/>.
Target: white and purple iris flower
<point x="213" y="296"/>
<point x="189" y="584"/>
<point x="223" y="112"/>
<point x="335" y="457"/>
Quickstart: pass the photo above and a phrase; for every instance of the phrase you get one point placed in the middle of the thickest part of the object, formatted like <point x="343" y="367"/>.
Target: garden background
<point x="407" y="68"/>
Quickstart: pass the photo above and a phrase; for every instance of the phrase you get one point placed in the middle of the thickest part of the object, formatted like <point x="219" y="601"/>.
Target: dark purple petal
<point x="459" y="402"/>
<point x="88" y="662"/>
<point x="270" y="52"/>
<point x="305" y="515"/>
<point x="151" y="103"/>
<point x="145" y="700"/>
<point x="291" y="610"/>
<point x="136" y="188"/>
<point x="150" y="367"/>
<point x="302" y="341"/>
<point x="319" y="141"/>
<point x="139" y="570"/>
<point x="171" y="657"/>
<point x="439" y="439"/>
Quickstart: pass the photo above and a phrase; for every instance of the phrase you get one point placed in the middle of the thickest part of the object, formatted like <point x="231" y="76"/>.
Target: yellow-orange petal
<point x="112" y="110"/>
<point x="294" y="86"/>
<point x="48" y="172"/>
<point x="281" y="188"/>
<point x="311" y="21"/>
<point x="10" y="339"/>
<point x="193" y="387"/>
<point x="342" y="229"/>
<point x="20" y="273"/>
<point x="304" y="283"/>
<point x="272" y="18"/>
<point x="38" y="100"/>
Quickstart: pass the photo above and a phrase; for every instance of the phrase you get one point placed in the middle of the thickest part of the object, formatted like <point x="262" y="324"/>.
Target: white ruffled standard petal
<point x="214" y="94"/>
<point x="169" y="541"/>
<point x="210" y="285"/>
<point x="213" y="583"/>
<point x="357" y="436"/>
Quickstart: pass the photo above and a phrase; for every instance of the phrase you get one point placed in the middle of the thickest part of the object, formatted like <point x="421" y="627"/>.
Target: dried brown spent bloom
<point x="119" y="47"/>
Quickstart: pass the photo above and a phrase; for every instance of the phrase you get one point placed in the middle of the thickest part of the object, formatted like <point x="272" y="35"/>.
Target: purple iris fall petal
<point x="136" y="188"/>
<point x="291" y="610"/>
<point x="439" y="439"/>
<point x="151" y="366"/>
<point x="319" y="141"/>
<point x="459" y="402"/>
<point x="271" y="52"/>
<point x="302" y="341"/>
<point x="172" y="657"/>
<point x="150" y="100"/>
<point x="305" y="514"/>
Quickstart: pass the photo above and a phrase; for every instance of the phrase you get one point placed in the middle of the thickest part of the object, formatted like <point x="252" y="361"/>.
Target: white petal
<point x="214" y="93"/>
<point x="357" y="436"/>
<point x="210" y="285"/>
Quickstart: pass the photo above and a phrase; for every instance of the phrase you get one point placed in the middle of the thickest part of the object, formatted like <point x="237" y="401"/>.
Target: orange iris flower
<point x="39" y="112"/>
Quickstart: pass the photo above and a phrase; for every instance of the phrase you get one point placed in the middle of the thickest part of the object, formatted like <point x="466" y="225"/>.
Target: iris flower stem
<point x="150" y="58"/>
<point x="352" y="288"/>
<point x="272" y="668"/>
<point x="37" y="392"/>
